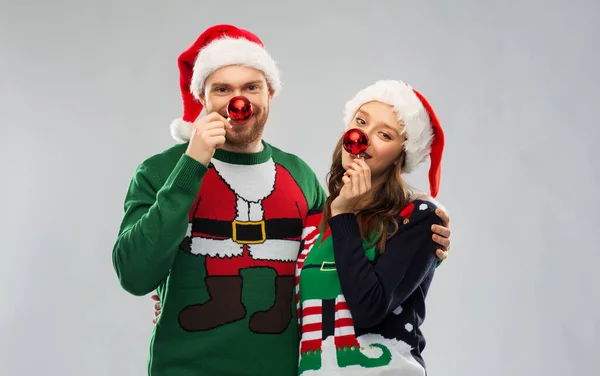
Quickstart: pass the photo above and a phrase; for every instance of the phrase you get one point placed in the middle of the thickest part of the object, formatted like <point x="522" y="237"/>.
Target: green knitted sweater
<point x="219" y="244"/>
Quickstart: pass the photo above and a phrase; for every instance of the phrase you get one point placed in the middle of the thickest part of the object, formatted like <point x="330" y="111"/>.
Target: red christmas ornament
<point x="239" y="109"/>
<point x="355" y="141"/>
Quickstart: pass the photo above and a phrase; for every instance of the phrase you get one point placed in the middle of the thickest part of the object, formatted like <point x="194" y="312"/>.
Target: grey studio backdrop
<point x="88" y="90"/>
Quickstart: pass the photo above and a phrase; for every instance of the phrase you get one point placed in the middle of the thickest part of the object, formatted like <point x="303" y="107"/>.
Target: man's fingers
<point x="444" y="216"/>
<point x="442" y="231"/>
<point x="223" y="119"/>
<point x="155" y="297"/>
<point x="220" y="142"/>
<point x="208" y="119"/>
<point x="216" y="132"/>
<point x="217" y="124"/>
<point x="441" y="254"/>
<point x="212" y="118"/>
<point x="216" y="137"/>
<point x="444" y="242"/>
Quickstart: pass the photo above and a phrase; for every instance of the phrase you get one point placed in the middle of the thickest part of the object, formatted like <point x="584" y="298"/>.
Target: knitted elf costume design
<point x="320" y="284"/>
<point x="219" y="243"/>
<point x="359" y="311"/>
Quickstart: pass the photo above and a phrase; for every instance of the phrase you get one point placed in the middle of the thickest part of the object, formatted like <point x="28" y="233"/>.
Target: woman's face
<point x="386" y="141"/>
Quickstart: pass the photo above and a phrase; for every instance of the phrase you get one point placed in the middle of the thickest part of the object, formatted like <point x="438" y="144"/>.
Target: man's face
<point x="228" y="82"/>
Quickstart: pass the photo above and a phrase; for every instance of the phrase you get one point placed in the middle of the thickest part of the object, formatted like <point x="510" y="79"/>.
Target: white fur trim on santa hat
<point x="410" y="112"/>
<point x="233" y="51"/>
<point x="181" y="130"/>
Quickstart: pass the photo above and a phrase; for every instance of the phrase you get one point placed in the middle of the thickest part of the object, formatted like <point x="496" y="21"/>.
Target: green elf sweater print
<point x="359" y="311"/>
<point x="219" y="244"/>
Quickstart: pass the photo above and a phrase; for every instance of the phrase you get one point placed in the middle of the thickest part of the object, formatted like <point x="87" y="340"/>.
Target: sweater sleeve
<point x="373" y="291"/>
<point x="154" y="223"/>
<point x="321" y="195"/>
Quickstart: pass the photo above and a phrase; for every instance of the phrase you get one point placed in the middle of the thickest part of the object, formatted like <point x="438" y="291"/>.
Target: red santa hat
<point x="217" y="47"/>
<point x="422" y="129"/>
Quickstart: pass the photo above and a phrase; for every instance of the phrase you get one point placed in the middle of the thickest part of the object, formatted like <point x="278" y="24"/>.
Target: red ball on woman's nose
<point x="355" y="141"/>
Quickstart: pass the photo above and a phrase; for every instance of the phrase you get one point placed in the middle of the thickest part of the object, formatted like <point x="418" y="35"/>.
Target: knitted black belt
<point x="250" y="232"/>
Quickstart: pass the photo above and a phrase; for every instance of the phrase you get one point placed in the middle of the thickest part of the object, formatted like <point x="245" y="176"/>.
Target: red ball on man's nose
<point x="355" y="141"/>
<point x="239" y="109"/>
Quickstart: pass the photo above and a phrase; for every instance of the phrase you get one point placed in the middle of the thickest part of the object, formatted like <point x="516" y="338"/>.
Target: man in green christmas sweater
<point x="214" y="223"/>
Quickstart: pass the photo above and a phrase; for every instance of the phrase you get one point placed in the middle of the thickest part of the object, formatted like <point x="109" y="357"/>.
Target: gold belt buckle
<point x="234" y="225"/>
<point x="325" y="263"/>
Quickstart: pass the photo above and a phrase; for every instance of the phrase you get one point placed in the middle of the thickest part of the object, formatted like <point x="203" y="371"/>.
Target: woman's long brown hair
<point x="376" y="220"/>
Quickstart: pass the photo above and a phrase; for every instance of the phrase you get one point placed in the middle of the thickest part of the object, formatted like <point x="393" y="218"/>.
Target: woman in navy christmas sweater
<point x="368" y="258"/>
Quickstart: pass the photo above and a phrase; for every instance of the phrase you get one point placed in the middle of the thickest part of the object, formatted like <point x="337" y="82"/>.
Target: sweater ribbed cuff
<point x="188" y="174"/>
<point x="344" y="225"/>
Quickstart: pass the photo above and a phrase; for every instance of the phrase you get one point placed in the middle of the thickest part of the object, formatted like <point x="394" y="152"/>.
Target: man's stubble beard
<point x="246" y="135"/>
